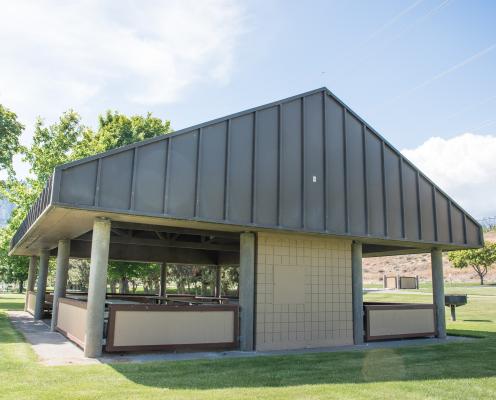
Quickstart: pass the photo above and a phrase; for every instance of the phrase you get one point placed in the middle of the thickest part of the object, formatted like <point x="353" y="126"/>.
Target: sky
<point x="421" y="72"/>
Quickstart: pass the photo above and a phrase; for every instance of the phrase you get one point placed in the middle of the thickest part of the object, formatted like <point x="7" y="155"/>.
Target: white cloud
<point x="464" y="166"/>
<point x="91" y="55"/>
<point x="57" y="55"/>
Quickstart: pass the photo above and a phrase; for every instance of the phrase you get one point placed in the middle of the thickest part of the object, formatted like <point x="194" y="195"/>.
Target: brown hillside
<point x="420" y="264"/>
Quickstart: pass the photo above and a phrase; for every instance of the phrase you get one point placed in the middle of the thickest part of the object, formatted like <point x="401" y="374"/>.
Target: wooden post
<point x="163" y="281"/>
<point x="218" y="285"/>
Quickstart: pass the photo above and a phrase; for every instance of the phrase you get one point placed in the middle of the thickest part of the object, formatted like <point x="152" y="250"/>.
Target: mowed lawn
<point x="450" y="371"/>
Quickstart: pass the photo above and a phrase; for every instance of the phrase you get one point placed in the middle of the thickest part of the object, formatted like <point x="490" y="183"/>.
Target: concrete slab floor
<point x="52" y="348"/>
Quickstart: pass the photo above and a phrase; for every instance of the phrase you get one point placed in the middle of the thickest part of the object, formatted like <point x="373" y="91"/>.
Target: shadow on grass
<point x="477" y="320"/>
<point x="461" y="360"/>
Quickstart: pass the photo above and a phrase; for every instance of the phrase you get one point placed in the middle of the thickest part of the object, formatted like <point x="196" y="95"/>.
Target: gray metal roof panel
<point x="305" y="163"/>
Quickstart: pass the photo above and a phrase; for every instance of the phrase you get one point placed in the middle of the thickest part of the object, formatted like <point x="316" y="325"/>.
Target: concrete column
<point x="438" y="291"/>
<point x="357" y="290"/>
<point x="32" y="272"/>
<point x="218" y="284"/>
<point x="97" y="287"/>
<point x="41" y="286"/>
<point x="63" y="253"/>
<point x="31" y="279"/>
<point x="163" y="280"/>
<point x="247" y="290"/>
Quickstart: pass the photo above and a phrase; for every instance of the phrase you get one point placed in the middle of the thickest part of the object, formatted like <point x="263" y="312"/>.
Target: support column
<point x="41" y="286"/>
<point x="357" y="290"/>
<point x="438" y="291"/>
<point x="247" y="290"/>
<point x="163" y="280"/>
<point x="97" y="287"/>
<point x="63" y="252"/>
<point x="218" y="285"/>
<point x="31" y="279"/>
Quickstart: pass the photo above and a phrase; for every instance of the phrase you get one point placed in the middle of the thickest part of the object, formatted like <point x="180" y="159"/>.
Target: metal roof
<point x="307" y="163"/>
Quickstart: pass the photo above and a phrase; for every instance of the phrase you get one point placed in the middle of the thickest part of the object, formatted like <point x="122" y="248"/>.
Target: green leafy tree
<point x="79" y="273"/>
<point x="65" y="141"/>
<point x="10" y="132"/>
<point x="479" y="259"/>
<point x="12" y="269"/>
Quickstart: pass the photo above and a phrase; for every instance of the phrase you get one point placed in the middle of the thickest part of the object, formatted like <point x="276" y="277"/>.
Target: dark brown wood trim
<point x="168" y="307"/>
<point x="399" y="336"/>
<point x="174" y="347"/>
<point x="72" y="338"/>
<point x="113" y="308"/>
<point x="396" y="306"/>
<point x="73" y="302"/>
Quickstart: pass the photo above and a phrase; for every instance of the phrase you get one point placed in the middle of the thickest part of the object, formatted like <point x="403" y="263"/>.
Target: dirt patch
<point x="420" y="264"/>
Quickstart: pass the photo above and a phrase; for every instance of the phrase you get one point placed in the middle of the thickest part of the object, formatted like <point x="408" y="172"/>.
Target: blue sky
<point x="368" y="59"/>
<point x="419" y="71"/>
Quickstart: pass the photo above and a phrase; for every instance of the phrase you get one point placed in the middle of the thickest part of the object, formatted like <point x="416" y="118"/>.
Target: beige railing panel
<point x="152" y="327"/>
<point x="397" y="321"/>
<point x="72" y="320"/>
<point x="408" y="282"/>
<point x="31" y="302"/>
<point x="390" y="282"/>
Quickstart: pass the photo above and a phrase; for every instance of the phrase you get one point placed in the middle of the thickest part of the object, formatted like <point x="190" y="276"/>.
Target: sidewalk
<point x="52" y="348"/>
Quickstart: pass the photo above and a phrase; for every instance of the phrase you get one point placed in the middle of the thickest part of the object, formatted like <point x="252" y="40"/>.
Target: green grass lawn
<point x="450" y="371"/>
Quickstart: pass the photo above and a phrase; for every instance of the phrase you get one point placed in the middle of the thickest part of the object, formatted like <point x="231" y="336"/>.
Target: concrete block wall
<point x="303" y="292"/>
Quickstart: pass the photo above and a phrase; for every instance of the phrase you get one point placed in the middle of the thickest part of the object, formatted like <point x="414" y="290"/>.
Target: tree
<point x="12" y="269"/>
<point x="10" y="132"/>
<point x="479" y="259"/>
<point x="65" y="141"/>
<point x="79" y="274"/>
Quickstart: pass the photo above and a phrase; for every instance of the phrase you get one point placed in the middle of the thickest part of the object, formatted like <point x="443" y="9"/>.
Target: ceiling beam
<point x="176" y="230"/>
<point x="166" y="243"/>
<point x="121" y="252"/>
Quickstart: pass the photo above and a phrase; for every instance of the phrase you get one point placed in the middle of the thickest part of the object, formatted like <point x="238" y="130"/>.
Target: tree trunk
<point x="124" y="286"/>
<point x="21" y="286"/>
<point x="481" y="272"/>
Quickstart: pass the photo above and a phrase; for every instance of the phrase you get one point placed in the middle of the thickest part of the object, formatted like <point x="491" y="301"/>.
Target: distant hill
<point x="420" y="264"/>
<point x="5" y="211"/>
